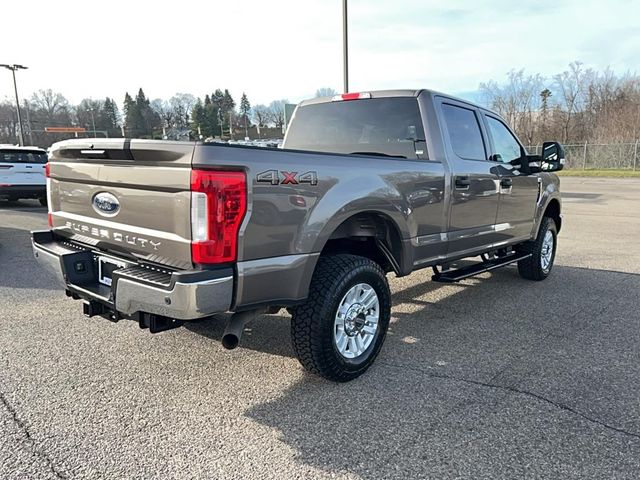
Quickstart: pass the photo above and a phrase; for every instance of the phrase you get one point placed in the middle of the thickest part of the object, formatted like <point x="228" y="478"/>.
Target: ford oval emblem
<point x="106" y="204"/>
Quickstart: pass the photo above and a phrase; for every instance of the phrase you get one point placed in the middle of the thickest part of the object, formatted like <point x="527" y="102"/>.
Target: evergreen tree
<point x="245" y="110"/>
<point x="146" y="119"/>
<point x="130" y="115"/>
<point x="217" y="99"/>
<point x="228" y="106"/>
<point x="212" y="122"/>
<point x="228" y="103"/>
<point x="144" y="114"/>
<point x="198" y="119"/>
<point x="111" y="116"/>
<point x="544" y="112"/>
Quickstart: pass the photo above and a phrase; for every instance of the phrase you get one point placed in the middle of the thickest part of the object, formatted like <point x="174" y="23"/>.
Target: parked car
<point x="22" y="173"/>
<point x="367" y="184"/>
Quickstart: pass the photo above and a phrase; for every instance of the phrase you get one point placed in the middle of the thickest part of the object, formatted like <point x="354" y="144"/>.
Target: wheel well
<point x="372" y="235"/>
<point x="553" y="211"/>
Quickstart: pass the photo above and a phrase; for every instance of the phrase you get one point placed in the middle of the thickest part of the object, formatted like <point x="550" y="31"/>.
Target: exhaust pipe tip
<point x="230" y="341"/>
<point x="235" y="327"/>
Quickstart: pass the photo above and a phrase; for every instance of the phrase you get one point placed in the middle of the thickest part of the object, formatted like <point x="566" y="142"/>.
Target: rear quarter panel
<point x="298" y="218"/>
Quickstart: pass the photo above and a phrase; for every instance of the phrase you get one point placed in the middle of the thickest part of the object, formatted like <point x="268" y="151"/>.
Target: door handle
<point x="463" y="182"/>
<point x="506" y="182"/>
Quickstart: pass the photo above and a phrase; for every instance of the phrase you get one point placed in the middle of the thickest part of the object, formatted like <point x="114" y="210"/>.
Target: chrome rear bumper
<point x="183" y="295"/>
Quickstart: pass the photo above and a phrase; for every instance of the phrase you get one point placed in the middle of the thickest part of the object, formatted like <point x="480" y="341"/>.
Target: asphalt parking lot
<point x="496" y="377"/>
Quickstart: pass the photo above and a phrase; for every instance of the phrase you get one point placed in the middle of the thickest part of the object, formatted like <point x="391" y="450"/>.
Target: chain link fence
<point x="586" y="156"/>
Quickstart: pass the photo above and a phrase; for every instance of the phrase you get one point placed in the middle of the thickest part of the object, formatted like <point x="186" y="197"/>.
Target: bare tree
<point x="164" y="110"/>
<point x="8" y="122"/>
<point x="572" y="91"/>
<point x="48" y="109"/>
<point x="50" y="103"/>
<point x="182" y="105"/>
<point x="576" y="106"/>
<point x="518" y="101"/>
<point x="276" y="112"/>
<point x="261" y="116"/>
<point x="325" y="92"/>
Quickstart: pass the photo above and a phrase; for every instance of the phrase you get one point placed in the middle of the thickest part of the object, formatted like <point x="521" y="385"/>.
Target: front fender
<point x="550" y="193"/>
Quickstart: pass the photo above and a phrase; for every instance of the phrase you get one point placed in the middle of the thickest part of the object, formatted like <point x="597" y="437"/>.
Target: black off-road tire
<point x="531" y="268"/>
<point x="312" y="323"/>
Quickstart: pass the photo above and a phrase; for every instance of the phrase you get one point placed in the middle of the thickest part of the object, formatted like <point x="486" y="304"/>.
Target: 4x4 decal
<point x="280" y="177"/>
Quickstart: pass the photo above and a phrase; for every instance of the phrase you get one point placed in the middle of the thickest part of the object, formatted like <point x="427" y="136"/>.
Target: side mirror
<point x="552" y="158"/>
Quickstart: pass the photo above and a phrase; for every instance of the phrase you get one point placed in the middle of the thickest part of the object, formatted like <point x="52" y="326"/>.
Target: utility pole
<point x="345" y="47"/>
<point x="13" y="69"/>
<point x="93" y="122"/>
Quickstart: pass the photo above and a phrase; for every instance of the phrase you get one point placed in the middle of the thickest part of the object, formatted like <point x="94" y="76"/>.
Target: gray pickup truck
<point x="365" y="184"/>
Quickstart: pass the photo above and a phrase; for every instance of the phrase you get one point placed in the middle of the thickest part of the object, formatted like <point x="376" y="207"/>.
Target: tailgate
<point x="126" y="197"/>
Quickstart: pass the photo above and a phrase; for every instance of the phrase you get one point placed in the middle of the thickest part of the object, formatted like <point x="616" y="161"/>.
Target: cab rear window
<point x="22" y="156"/>
<point x="383" y="126"/>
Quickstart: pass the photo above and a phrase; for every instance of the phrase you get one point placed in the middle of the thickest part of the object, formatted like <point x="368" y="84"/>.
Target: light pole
<point x="29" y="126"/>
<point x="221" y="115"/>
<point x="345" y="47"/>
<point x="13" y="69"/>
<point x="93" y="122"/>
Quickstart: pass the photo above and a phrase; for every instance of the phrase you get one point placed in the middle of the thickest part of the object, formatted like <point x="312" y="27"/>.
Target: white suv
<point x="22" y="173"/>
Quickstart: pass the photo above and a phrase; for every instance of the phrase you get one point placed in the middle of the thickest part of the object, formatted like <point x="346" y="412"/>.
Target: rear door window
<point x="378" y="126"/>
<point x="464" y="132"/>
<point x="22" y="156"/>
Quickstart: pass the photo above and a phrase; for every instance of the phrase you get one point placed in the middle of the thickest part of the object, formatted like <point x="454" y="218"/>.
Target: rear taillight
<point x="218" y="205"/>
<point x="47" y="170"/>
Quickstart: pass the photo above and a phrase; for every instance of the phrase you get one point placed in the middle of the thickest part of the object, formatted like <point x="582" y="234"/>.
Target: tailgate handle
<point x="94" y="153"/>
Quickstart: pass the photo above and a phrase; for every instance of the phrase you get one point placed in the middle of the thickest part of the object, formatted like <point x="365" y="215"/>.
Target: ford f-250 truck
<point x="366" y="184"/>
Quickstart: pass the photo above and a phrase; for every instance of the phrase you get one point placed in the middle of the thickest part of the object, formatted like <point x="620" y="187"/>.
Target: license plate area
<point x="106" y="267"/>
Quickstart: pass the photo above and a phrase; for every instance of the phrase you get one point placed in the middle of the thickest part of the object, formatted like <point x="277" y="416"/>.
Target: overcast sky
<point x="289" y="48"/>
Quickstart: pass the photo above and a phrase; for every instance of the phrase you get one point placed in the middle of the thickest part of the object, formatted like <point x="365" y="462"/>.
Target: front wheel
<point x="338" y="332"/>
<point x="543" y="252"/>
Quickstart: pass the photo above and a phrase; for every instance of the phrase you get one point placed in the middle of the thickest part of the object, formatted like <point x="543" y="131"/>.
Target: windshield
<point x="378" y="126"/>
<point x="23" y="156"/>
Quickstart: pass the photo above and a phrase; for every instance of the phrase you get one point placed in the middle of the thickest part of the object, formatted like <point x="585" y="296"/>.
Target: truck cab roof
<point x="406" y="92"/>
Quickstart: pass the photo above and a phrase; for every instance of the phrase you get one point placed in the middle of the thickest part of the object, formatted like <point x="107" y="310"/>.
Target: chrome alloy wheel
<point x="356" y="321"/>
<point x="546" y="253"/>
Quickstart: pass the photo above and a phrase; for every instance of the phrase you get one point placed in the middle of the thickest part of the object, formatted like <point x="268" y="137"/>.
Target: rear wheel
<point x="543" y="252"/>
<point x="339" y="331"/>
